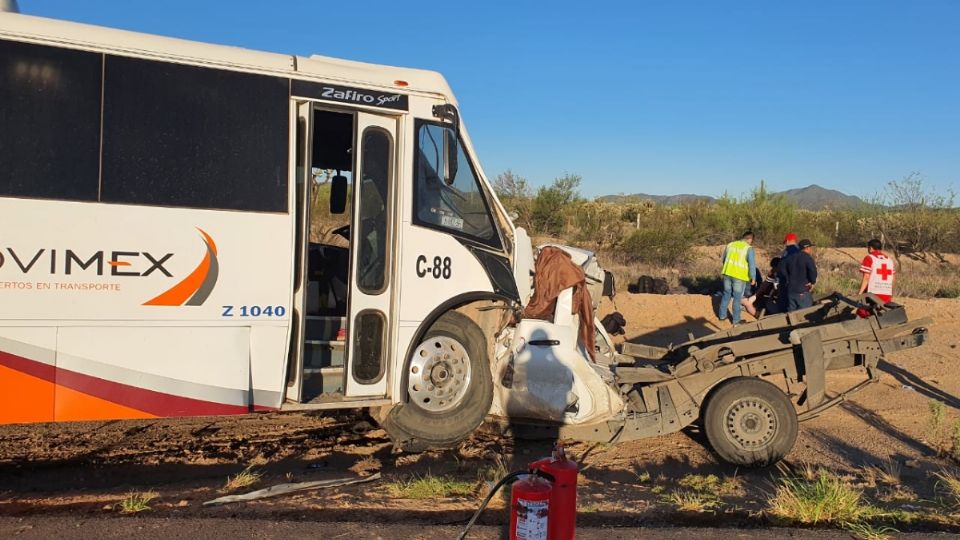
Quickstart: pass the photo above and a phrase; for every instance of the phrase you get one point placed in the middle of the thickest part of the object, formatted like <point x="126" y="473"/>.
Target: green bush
<point x="547" y="213"/>
<point x="597" y="224"/>
<point x="658" y="242"/>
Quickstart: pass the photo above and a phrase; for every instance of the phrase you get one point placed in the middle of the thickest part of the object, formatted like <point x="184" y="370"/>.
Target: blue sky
<point x="656" y="97"/>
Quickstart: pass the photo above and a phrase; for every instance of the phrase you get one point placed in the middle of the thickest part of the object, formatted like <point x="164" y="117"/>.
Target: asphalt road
<point x="150" y="528"/>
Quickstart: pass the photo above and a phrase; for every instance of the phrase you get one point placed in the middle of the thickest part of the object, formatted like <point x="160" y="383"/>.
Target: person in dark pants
<point x="800" y="272"/>
<point x="790" y="248"/>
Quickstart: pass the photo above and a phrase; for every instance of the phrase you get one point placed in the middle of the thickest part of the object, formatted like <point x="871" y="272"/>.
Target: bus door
<point x="304" y="132"/>
<point x="373" y="239"/>
<point x="326" y="138"/>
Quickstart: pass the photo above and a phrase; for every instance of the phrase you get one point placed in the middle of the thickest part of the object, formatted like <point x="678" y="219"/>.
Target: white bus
<point x="167" y="247"/>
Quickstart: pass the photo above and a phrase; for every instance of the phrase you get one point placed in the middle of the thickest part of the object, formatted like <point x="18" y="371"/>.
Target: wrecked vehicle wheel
<point x="750" y="422"/>
<point x="448" y="385"/>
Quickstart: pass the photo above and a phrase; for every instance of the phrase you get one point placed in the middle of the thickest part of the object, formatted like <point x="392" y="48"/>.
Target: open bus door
<point x="304" y="179"/>
<point x="346" y="168"/>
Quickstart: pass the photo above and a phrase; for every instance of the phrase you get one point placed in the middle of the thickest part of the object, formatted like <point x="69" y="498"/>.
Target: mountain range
<point x="812" y="197"/>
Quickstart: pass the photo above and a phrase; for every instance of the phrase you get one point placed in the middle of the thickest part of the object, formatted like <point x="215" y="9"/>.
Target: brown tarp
<point x="555" y="272"/>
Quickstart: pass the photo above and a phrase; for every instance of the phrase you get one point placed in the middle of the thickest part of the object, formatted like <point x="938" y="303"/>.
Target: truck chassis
<point x="723" y="380"/>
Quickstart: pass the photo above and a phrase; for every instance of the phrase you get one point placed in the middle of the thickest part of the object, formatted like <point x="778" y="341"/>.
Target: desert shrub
<point x="658" y="241"/>
<point x="770" y="216"/>
<point x="695" y="215"/>
<point x="913" y="218"/>
<point x="550" y="205"/>
<point x="598" y="223"/>
<point x="514" y="192"/>
<point x="510" y="185"/>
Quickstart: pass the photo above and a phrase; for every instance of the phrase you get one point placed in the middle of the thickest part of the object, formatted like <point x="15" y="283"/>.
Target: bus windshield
<point x="461" y="207"/>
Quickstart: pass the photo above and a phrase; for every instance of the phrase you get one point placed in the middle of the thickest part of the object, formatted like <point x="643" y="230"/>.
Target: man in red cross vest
<point x="878" y="271"/>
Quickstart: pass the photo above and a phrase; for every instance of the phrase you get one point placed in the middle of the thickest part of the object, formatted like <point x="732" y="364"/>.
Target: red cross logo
<point x="884" y="271"/>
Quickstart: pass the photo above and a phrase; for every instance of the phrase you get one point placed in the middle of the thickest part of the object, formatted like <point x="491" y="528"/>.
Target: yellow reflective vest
<point x="735" y="264"/>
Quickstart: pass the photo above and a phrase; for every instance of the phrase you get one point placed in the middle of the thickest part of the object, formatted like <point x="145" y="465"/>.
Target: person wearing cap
<point x="789" y="248"/>
<point x="878" y="272"/>
<point x="789" y="245"/>
<point x="739" y="269"/>
<point x="800" y="271"/>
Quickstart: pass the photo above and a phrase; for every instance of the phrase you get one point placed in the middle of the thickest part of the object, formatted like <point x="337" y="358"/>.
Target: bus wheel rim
<point x="439" y="374"/>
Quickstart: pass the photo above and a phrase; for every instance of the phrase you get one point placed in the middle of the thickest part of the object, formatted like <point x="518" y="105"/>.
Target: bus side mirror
<point x="338" y="195"/>
<point x="450" y="156"/>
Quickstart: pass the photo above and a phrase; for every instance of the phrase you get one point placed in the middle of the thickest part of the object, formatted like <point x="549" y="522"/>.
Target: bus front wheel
<point x="448" y="385"/>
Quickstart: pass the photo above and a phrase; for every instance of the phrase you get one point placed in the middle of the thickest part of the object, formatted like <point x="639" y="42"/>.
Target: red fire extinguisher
<point x="530" y="508"/>
<point x="544" y="505"/>
<point x="543" y="500"/>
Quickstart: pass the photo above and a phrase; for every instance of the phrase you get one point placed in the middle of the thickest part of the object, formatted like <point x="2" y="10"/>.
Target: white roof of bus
<point x="76" y="35"/>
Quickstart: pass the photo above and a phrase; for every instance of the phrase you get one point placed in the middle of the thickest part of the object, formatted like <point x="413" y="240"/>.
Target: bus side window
<point x="194" y="137"/>
<point x="49" y="122"/>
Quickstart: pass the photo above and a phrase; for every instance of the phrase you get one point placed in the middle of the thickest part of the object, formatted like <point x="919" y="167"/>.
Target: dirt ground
<point x="155" y="528"/>
<point x="84" y="469"/>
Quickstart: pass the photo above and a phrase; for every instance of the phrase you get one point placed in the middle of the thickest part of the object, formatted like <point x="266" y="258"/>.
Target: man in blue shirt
<point x="800" y="271"/>
<point x="789" y="249"/>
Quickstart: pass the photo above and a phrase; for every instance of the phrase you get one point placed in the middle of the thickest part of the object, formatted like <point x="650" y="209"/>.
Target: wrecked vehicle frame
<point x="722" y="380"/>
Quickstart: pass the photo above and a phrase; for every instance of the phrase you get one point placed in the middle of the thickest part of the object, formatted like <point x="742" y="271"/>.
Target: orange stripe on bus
<point x="74" y="405"/>
<point x="24" y="398"/>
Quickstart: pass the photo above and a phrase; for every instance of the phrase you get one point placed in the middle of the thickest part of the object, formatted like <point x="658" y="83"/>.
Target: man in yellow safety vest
<point x="739" y="269"/>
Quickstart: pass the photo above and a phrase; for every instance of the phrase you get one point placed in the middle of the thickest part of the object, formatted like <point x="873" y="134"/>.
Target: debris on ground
<point x="284" y="489"/>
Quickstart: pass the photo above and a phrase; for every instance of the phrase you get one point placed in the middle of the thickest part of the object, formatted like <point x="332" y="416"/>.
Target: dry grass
<point x="429" y="486"/>
<point x="137" y="501"/>
<point x="955" y="437"/>
<point x="805" y="471"/>
<point x="691" y="501"/>
<point x="242" y="479"/>
<point x="494" y="471"/>
<point x="366" y="466"/>
<point x="936" y="424"/>
<point x="702" y="493"/>
<point x="827" y="499"/>
<point x="867" y="531"/>
<point x="643" y="477"/>
<point x="711" y="484"/>
<point x="887" y="473"/>
<point x="822" y="498"/>
<point x="948" y="484"/>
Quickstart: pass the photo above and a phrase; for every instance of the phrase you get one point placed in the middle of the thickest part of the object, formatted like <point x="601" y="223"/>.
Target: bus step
<point x="320" y="381"/>
<point x="321" y="328"/>
<point x="318" y="353"/>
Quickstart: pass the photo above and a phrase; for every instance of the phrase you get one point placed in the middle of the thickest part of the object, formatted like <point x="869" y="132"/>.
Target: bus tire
<point x="750" y="422"/>
<point x="453" y="356"/>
